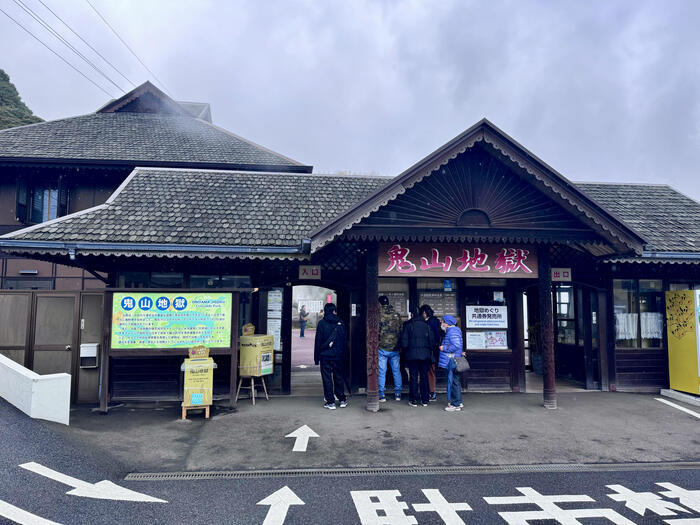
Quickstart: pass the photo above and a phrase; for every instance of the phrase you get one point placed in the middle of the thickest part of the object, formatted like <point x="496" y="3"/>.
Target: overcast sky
<point x="600" y="90"/>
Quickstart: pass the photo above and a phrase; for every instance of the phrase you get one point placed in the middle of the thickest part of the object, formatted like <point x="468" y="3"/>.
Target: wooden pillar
<point x="607" y="374"/>
<point x="547" y="326"/>
<point x="588" y="358"/>
<point x="286" y="339"/>
<point x="372" y="327"/>
<point x="104" y="392"/>
<point x="233" y="372"/>
<point x="517" y="335"/>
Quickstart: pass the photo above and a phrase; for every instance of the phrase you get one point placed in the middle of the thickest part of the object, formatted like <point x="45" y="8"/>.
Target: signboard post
<point x="199" y="381"/>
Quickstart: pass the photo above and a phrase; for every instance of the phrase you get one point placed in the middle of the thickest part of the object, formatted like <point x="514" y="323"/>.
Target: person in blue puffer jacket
<point x="450" y="348"/>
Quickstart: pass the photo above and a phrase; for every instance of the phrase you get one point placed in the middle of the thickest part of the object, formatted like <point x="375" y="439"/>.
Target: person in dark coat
<point x="434" y="323"/>
<point x="330" y="347"/>
<point x="418" y="340"/>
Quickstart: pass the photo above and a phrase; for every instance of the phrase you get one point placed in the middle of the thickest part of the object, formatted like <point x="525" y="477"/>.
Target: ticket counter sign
<point x="171" y="320"/>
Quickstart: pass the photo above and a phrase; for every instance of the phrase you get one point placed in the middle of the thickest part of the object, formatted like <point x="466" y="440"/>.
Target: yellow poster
<point x="199" y="381"/>
<point x="256" y="355"/>
<point x="683" y="331"/>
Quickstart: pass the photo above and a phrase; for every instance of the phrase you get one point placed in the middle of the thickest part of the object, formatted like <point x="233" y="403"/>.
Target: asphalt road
<point x="326" y="499"/>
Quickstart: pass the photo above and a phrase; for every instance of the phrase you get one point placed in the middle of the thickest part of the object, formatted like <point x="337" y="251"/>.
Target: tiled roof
<point x="139" y="138"/>
<point x="207" y="207"/>
<point x="668" y="220"/>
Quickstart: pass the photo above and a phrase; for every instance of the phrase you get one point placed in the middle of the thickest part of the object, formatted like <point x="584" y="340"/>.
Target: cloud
<point x="605" y="91"/>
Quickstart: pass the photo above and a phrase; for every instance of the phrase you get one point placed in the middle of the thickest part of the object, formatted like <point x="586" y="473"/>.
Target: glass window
<point x="236" y="281"/>
<point x="566" y="318"/>
<point x="36" y="283"/>
<point x="673" y="287"/>
<point x="651" y="317"/>
<point x="204" y="281"/>
<point x="43" y="204"/>
<point x="133" y="280"/>
<point x="626" y="313"/>
<point x="639" y="307"/>
<point x="166" y="280"/>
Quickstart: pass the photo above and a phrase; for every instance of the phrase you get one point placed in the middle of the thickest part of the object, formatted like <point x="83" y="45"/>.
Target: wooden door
<point x="54" y="342"/>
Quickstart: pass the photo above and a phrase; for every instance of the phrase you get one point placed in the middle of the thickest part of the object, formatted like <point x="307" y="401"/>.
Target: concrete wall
<point x="40" y="397"/>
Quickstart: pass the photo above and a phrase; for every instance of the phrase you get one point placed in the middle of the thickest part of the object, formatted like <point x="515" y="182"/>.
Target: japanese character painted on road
<point x="640" y="502"/>
<point x="511" y="260"/>
<point x="398" y="260"/>
<point x="369" y="503"/>
<point x="447" y="511"/>
<point x="435" y="261"/>
<point x="477" y="262"/>
<point x="689" y="498"/>
<point x="550" y="510"/>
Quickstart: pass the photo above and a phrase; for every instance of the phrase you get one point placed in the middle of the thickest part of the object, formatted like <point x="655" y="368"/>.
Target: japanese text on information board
<point x="171" y="320"/>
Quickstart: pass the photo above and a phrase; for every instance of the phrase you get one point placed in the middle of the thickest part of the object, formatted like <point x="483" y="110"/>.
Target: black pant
<point x="416" y="367"/>
<point x="332" y="376"/>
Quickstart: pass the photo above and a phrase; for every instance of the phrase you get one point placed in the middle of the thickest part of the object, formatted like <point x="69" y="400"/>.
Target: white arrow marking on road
<point x="101" y="490"/>
<point x="22" y="516"/>
<point x="302" y="434"/>
<point x="279" y="503"/>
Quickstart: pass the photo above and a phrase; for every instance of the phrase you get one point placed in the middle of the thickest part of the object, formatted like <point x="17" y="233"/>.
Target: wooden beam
<point x="235" y="303"/>
<point x="372" y="327"/>
<point x="547" y="327"/>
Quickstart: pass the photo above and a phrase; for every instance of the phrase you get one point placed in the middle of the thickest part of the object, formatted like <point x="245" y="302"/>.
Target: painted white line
<point x="302" y="435"/>
<point x="686" y="410"/>
<point x="101" y="490"/>
<point x="279" y="503"/>
<point x="22" y="516"/>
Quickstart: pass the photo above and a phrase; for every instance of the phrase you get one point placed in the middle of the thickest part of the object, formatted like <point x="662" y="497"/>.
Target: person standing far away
<point x="418" y="339"/>
<point x="303" y="317"/>
<point x="452" y="347"/>
<point x="389" y="333"/>
<point x="434" y="323"/>
<point x="330" y="346"/>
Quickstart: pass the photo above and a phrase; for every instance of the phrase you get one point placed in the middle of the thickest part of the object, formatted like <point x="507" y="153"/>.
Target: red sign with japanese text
<point x="457" y="260"/>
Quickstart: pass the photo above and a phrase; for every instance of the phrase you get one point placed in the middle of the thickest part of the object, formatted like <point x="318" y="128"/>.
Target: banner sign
<point x="487" y="317"/>
<point x="457" y="260"/>
<point x="171" y="320"/>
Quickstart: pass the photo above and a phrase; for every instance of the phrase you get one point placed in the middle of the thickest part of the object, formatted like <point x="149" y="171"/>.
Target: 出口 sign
<point x="457" y="260"/>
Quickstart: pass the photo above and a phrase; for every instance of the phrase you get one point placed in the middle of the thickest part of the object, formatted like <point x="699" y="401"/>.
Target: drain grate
<point x="408" y="471"/>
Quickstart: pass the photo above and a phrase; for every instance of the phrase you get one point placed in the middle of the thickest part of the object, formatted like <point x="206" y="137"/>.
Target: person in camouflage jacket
<point x="389" y="333"/>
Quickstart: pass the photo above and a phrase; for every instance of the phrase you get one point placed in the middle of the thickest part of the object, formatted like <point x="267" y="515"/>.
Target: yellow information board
<point x="199" y="378"/>
<point x="256" y="355"/>
<point x="683" y="330"/>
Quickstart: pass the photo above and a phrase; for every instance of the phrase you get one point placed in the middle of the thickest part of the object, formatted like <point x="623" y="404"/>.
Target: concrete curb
<point x="681" y="396"/>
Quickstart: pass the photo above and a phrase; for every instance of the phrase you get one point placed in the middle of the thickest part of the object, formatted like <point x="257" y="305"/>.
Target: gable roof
<point x="546" y="179"/>
<point x="194" y="207"/>
<point x="162" y="134"/>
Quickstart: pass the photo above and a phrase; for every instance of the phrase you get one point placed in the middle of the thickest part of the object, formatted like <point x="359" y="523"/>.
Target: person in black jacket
<point x="330" y="346"/>
<point x="418" y="340"/>
<point x="434" y="323"/>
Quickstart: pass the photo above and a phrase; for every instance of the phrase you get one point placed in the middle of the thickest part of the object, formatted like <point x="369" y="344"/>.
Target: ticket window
<point x="486" y="314"/>
<point x="440" y="295"/>
<point x="397" y="291"/>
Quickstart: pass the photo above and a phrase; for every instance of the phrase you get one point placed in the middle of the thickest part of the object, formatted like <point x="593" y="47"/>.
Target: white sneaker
<point x="452" y="408"/>
<point x="330" y="406"/>
<point x="343" y="404"/>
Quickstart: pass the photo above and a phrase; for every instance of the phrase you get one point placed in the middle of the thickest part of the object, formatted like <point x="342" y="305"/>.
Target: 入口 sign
<point x="561" y="274"/>
<point x="309" y="272"/>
